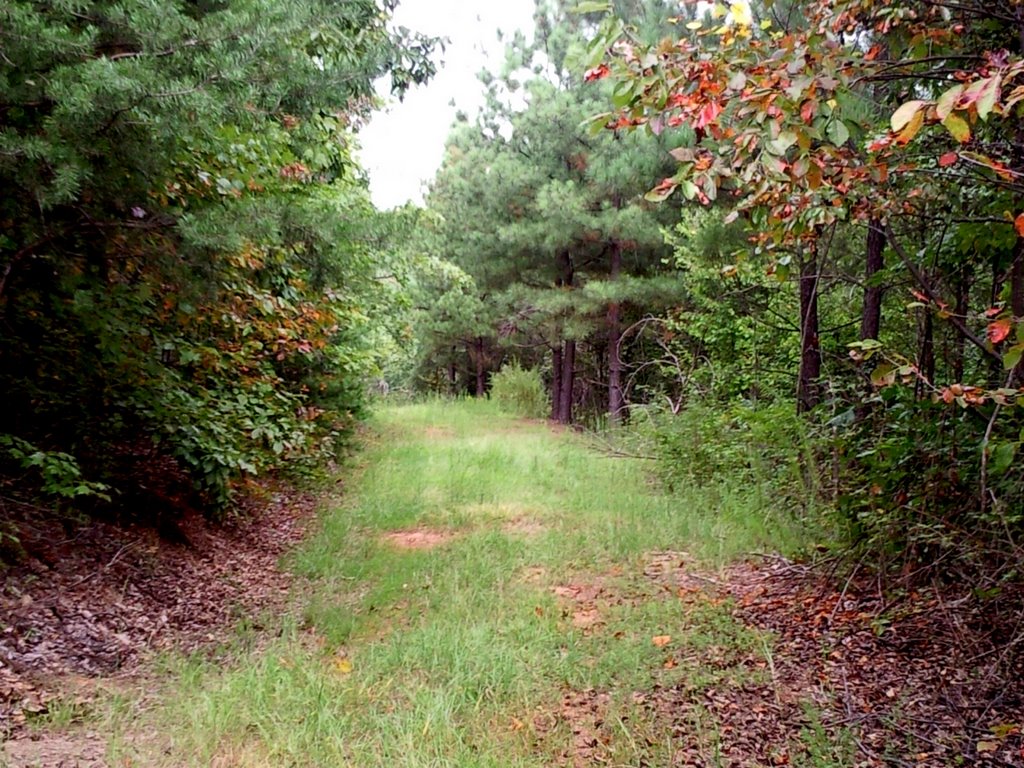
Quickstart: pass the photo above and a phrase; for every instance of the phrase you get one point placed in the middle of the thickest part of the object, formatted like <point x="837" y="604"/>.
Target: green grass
<point x="452" y="656"/>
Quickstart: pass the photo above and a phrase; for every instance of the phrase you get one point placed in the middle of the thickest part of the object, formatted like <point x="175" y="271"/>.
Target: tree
<point x="185" y="249"/>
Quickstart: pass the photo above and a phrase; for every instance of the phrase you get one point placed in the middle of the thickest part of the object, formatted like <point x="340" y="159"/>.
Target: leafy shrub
<point x="768" y="444"/>
<point x="916" y="499"/>
<point x="520" y="391"/>
<point x="58" y="473"/>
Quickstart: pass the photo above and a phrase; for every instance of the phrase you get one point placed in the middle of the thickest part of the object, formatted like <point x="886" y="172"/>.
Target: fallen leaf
<point x="661" y="641"/>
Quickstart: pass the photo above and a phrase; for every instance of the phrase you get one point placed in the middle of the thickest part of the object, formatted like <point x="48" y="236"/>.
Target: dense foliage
<point x="823" y="213"/>
<point x="187" y="272"/>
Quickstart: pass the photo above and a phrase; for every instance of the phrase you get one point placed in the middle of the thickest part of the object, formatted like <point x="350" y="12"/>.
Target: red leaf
<point x="1018" y="224"/>
<point x="597" y="73"/>
<point x="710" y="111"/>
<point x="808" y="110"/>
<point x="999" y="330"/>
<point x="948" y="159"/>
<point x="918" y="295"/>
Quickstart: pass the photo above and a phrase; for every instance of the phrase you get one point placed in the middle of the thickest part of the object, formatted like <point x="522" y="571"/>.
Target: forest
<point x="768" y="255"/>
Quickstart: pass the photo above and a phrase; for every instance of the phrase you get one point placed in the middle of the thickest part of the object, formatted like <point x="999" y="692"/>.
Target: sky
<point x="403" y="146"/>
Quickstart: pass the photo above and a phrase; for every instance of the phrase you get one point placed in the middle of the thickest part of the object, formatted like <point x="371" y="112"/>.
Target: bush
<point x="520" y="391"/>
<point x="769" y="444"/>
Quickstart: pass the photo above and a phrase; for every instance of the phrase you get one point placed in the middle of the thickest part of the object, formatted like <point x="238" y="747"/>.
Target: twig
<point x="113" y="560"/>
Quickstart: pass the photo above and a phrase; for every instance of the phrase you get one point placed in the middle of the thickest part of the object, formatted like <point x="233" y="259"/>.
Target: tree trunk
<point x="871" y="316"/>
<point x="808" y="393"/>
<point x="556" y="382"/>
<point x="1017" y="294"/>
<point x="616" y="401"/>
<point x="995" y="367"/>
<point x="453" y="384"/>
<point x="566" y="276"/>
<point x="963" y="302"/>
<point x="481" y="380"/>
<point x="568" y="382"/>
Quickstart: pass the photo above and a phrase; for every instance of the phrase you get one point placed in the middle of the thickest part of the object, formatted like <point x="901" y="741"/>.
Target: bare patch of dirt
<point x="584" y="604"/>
<point x="56" y="751"/>
<point x="523" y="526"/>
<point x="584" y="713"/>
<point x="439" y="433"/>
<point x="419" y="538"/>
<point x="91" y="602"/>
<point x="534" y="574"/>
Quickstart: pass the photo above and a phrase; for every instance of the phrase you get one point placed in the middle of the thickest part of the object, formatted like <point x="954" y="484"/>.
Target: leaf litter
<point x="838" y="676"/>
<point x="83" y="610"/>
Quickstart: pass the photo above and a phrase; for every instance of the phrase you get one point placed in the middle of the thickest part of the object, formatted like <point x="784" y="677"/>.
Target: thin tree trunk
<point x="963" y="302"/>
<point x="568" y="382"/>
<point x="995" y="365"/>
<point x="808" y="393"/>
<point x="481" y="380"/>
<point x="453" y="384"/>
<point x="616" y="401"/>
<point x="1017" y="295"/>
<point x="871" y="316"/>
<point x="566" y="276"/>
<point x="556" y="382"/>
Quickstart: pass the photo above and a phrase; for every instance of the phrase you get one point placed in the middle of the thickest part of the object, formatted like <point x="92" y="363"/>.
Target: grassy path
<point x="479" y="599"/>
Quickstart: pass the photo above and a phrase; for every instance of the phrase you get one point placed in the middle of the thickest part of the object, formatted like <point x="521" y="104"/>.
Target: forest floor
<point x="494" y="592"/>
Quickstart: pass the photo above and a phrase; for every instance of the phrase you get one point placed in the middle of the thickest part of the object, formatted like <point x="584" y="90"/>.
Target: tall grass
<point x="446" y="656"/>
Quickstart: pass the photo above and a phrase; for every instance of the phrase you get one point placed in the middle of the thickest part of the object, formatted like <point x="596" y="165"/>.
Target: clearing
<point x="493" y="592"/>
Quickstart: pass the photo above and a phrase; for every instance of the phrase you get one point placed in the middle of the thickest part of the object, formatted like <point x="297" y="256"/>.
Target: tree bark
<point x="556" y="382"/>
<point x="963" y="301"/>
<point x="568" y="382"/>
<point x="1017" y="295"/>
<point x="808" y="393"/>
<point x="871" y="316"/>
<point x="481" y="380"/>
<point x="453" y="383"/>
<point x="565" y="278"/>
<point x="616" y="401"/>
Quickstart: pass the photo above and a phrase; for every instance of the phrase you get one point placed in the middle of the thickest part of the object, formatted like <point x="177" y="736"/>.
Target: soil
<point x="90" y="603"/>
<point x="419" y="538"/>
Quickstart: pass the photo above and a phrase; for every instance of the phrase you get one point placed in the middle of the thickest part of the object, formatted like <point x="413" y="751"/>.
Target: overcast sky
<point x="403" y="146"/>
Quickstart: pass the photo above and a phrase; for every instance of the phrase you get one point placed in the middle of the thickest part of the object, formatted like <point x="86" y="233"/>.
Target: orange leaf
<point x="999" y="330"/>
<point x="1018" y="224"/>
<point x="948" y="159"/>
<point x="661" y="640"/>
<point x="597" y="73"/>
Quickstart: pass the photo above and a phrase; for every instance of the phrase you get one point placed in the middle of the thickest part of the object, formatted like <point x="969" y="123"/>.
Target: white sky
<point x="403" y="146"/>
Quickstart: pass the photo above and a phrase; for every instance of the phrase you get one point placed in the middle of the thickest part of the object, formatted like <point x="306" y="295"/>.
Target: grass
<point x="459" y="655"/>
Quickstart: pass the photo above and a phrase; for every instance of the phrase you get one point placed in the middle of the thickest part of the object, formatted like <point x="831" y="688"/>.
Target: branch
<point x="933" y="295"/>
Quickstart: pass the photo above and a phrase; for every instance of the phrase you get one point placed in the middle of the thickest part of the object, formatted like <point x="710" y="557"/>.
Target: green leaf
<point x="957" y="127"/>
<point x="1001" y="457"/>
<point x="837" y="132"/>
<point x="1012" y="356"/>
<point x="883" y="375"/>
<point x="785" y="140"/>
